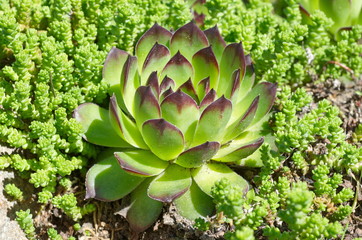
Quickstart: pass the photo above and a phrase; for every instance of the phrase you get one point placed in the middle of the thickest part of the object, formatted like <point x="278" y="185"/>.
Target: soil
<point x="105" y="224"/>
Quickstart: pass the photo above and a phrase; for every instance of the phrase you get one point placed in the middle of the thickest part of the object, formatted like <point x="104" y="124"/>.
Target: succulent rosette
<point x="182" y="110"/>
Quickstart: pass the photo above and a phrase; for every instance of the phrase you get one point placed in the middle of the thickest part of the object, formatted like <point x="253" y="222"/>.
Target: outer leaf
<point x="205" y="59"/>
<point x="97" y="127"/>
<point x="155" y="34"/>
<point x="188" y="39"/>
<point x="207" y="175"/>
<point x="171" y="184"/>
<point x="241" y="152"/>
<point x="123" y="126"/>
<point x="196" y="156"/>
<point x="145" y="105"/>
<point x="165" y="140"/>
<point x="213" y="121"/>
<point x="106" y="181"/>
<point x="178" y="69"/>
<point x="233" y="58"/>
<point x="129" y="82"/>
<point x="143" y="211"/>
<point x="182" y="111"/>
<point x="194" y="203"/>
<point x="266" y="92"/>
<point x="155" y="61"/>
<point x="140" y="163"/>
<point x="216" y="41"/>
<point x="248" y="81"/>
<point x="237" y="127"/>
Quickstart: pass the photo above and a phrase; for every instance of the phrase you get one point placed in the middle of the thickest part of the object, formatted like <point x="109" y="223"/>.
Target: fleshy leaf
<point x="208" y="99"/>
<point x="112" y="71"/>
<point x="171" y="184"/>
<point x="216" y="41"/>
<point x="196" y="156"/>
<point x="155" y="34"/>
<point x="143" y="210"/>
<point x="155" y="61"/>
<point x="235" y="86"/>
<point x="203" y="87"/>
<point x="207" y="175"/>
<point x="194" y="203"/>
<point x="241" y="152"/>
<point x="140" y="163"/>
<point x="123" y="126"/>
<point x="249" y="78"/>
<point x="166" y="84"/>
<point x="164" y="139"/>
<point x="213" y="121"/>
<point x="242" y="123"/>
<point x="145" y="105"/>
<point x="266" y="92"/>
<point x="153" y="83"/>
<point x="182" y="111"/>
<point x="178" y="69"/>
<point x="188" y="39"/>
<point x="106" y="181"/>
<point x="233" y="58"/>
<point x="205" y="60"/>
<point x="129" y="82"/>
<point x="189" y="89"/>
<point x="97" y="127"/>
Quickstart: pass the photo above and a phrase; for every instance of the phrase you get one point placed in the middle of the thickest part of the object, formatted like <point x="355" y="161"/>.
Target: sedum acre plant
<point x="182" y="110"/>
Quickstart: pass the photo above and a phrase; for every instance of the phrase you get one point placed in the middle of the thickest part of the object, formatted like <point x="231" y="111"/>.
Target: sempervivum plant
<point x="183" y="109"/>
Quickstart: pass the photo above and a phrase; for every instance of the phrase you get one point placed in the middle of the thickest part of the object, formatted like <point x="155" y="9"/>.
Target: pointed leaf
<point x="188" y="40"/>
<point x="166" y="84"/>
<point x="208" y="99"/>
<point x="266" y="92"/>
<point x="248" y="81"/>
<point x="235" y="87"/>
<point x="195" y="203"/>
<point x="129" y="82"/>
<point x="155" y="34"/>
<point x="106" y="181"/>
<point x="97" y="127"/>
<point x="232" y="58"/>
<point x="189" y="89"/>
<point x="145" y="105"/>
<point x="182" y="111"/>
<point x="241" y="152"/>
<point x="237" y="127"/>
<point x="207" y="175"/>
<point x="203" y="87"/>
<point x="196" y="156"/>
<point x="155" y="61"/>
<point x="123" y="126"/>
<point x="153" y="83"/>
<point x="205" y="65"/>
<point x="143" y="211"/>
<point x="178" y="69"/>
<point x="164" y="139"/>
<point x="216" y="42"/>
<point x="213" y="121"/>
<point x="165" y="94"/>
<point x="140" y="163"/>
<point x="171" y="184"/>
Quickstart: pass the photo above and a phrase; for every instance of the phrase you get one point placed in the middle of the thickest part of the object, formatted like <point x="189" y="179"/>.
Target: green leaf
<point x="196" y="156"/>
<point x="153" y="83"/>
<point x="182" y="111"/>
<point x="203" y="88"/>
<point x="106" y="181"/>
<point x="140" y="163"/>
<point x="145" y="105"/>
<point x="155" y="34"/>
<point x="188" y="88"/>
<point x="240" y="153"/>
<point x="208" y="99"/>
<point x="233" y="58"/>
<point x="194" y="203"/>
<point x="164" y="139"/>
<point x="205" y="59"/>
<point x="125" y="128"/>
<point x="171" y="184"/>
<point x="97" y="127"/>
<point x="129" y="82"/>
<point x="179" y="69"/>
<point x="155" y="61"/>
<point x="248" y="81"/>
<point x="213" y="121"/>
<point x="143" y="210"/>
<point x="216" y="42"/>
<point x="188" y="39"/>
<point x="207" y="175"/>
